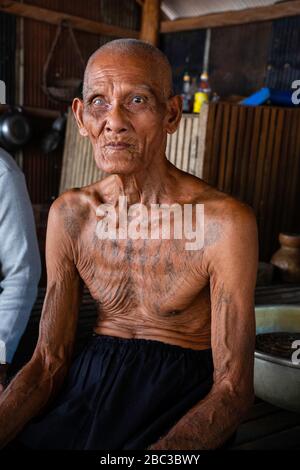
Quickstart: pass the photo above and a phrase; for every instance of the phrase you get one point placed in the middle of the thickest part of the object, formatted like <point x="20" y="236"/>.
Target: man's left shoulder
<point x="230" y="236"/>
<point x="218" y="203"/>
<point x="222" y="211"/>
<point x="227" y="218"/>
<point x="234" y="211"/>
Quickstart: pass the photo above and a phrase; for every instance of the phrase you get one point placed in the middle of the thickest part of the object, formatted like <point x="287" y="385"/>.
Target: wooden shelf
<point x="36" y="112"/>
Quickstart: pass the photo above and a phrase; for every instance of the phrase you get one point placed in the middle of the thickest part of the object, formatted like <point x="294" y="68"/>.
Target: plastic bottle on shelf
<point x="186" y="95"/>
<point x="193" y="90"/>
<point x="203" y="93"/>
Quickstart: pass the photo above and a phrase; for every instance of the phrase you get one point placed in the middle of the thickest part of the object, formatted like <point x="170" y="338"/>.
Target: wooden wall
<point x="180" y="46"/>
<point x="7" y="54"/>
<point x="238" y="58"/>
<point x="284" y="53"/>
<point x="253" y="153"/>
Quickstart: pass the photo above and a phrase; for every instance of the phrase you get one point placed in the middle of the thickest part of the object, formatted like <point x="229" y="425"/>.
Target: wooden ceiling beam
<point x="231" y="18"/>
<point x="56" y="17"/>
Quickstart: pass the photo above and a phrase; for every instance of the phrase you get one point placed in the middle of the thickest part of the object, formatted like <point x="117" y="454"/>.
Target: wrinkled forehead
<point x="126" y="71"/>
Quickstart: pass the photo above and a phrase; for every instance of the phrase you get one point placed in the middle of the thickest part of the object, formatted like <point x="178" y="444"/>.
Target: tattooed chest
<point x="132" y="275"/>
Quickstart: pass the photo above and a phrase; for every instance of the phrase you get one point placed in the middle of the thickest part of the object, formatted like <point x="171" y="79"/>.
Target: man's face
<point x="125" y="112"/>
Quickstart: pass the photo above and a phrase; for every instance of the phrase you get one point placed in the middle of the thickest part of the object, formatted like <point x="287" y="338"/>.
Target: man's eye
<point x="138" y="99"/>
<point x="98" y="101"/>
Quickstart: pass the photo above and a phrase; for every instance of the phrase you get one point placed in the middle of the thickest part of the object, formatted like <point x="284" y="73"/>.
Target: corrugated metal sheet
<point x="284" y="58"/>
<point x="184" y="9"/>
<point x="7" y="54"/>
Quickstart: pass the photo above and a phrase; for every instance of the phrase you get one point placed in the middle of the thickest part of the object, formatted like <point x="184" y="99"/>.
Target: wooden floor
<point x="266" y="426"/>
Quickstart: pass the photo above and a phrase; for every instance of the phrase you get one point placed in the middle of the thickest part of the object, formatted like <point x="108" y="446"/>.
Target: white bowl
<point x="277" y="380"/>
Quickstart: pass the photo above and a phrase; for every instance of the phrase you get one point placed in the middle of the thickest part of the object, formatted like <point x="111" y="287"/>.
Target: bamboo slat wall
<point x="253" y="153"/>
<point x="78" y="168"/>
<point x="184" y="150"/>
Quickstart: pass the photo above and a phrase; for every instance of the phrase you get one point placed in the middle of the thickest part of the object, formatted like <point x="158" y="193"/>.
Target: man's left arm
<point x="231" y="262"/>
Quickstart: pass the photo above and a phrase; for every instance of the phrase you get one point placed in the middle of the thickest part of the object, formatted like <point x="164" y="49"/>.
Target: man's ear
<point x="174" y="113"/>
<point x="77" y="108"/>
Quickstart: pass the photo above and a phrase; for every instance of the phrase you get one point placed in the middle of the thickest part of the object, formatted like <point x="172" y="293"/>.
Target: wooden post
<point x="150" y="21"/>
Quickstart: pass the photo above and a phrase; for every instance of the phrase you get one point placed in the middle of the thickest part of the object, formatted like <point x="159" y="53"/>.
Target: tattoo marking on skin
<point x="72" y="220"/>
<point x="129" y="251"/>
<point x="213" y="233"/>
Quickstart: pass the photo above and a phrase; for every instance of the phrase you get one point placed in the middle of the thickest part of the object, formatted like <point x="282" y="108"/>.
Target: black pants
<point x="121" y="394"/>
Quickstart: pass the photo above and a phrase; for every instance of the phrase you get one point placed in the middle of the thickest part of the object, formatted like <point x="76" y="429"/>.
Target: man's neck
<point x="150" y="186"/>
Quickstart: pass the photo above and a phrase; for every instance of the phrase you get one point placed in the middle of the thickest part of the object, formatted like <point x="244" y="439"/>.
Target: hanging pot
<point x="15" y="129"/>
<point x="55" y="136"/>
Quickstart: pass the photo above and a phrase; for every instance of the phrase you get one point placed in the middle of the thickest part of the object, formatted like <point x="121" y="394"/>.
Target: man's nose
<point x="116" y="120"/>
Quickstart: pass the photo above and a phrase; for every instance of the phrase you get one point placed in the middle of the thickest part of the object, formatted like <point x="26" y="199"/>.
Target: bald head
<point x="128" y="106"/>
<point x="151" y="56"/>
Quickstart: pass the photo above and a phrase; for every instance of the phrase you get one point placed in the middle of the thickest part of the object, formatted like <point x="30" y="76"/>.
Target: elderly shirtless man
<point x="170" y="364"/>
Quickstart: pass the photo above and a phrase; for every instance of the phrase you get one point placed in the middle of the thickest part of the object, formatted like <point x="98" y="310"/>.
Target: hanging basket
<point x="64" y="89"/>
<point x="61" y="89"/>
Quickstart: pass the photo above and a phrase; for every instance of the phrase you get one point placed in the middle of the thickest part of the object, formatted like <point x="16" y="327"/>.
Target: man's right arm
<point x="41" y="377"/>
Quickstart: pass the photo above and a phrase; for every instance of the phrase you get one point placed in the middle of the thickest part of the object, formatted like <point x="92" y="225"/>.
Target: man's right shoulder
<point x="68" y="200"/>
<point x="70" y="210"/>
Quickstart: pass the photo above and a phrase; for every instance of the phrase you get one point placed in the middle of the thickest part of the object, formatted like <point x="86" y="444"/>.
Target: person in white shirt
<point x="20" y="264"/>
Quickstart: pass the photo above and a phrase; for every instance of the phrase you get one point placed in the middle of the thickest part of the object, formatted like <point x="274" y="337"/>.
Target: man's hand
<point x="173" y="441"/>
<point x="163" y="444"/>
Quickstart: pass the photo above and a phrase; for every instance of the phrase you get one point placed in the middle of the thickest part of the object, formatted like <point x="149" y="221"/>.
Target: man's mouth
<point x="118" y="145"/>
